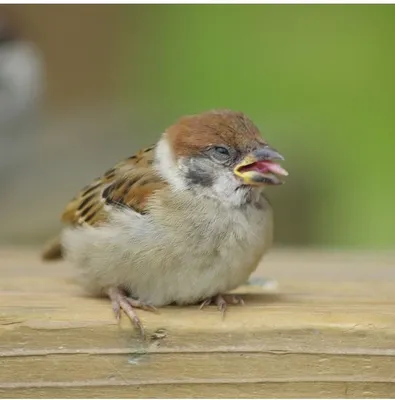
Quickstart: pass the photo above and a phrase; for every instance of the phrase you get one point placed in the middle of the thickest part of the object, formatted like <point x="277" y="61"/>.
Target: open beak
<point x="259" y="167"/>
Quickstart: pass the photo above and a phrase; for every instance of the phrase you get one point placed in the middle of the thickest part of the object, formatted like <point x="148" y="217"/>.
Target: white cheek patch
<point x="223" y="185"/>
<point x="166" y="165"/>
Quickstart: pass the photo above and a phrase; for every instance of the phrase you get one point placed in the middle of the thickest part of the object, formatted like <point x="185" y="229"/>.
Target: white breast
<point x="184" y="251"/>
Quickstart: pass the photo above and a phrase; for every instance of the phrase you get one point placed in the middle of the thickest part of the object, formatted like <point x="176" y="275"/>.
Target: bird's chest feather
<point x="206" y="251"/>
<point x="183" y="250"/>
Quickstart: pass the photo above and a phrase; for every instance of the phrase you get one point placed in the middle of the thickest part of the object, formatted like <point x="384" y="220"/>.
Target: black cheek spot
<point x="199" y="177"/>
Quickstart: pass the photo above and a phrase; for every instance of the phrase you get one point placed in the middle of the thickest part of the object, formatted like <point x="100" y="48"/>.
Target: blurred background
<point x="83" y="86"/>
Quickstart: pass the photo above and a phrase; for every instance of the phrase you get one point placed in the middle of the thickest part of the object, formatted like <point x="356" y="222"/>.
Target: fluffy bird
<point x="181" y="222"/>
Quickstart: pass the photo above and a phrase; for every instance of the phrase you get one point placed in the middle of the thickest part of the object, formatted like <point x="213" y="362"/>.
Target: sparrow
<point x="181" y="222"/>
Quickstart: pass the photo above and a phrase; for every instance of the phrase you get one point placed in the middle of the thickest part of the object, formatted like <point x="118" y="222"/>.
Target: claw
<point x="221" y="305"/>
<point x="120" y="301"/>
<point x="139" y="304"/>
<point x="117" y="309"/>
<point x="238" y="300"/>
<point x="205" y="303"/>
<point x="222" y="302"/>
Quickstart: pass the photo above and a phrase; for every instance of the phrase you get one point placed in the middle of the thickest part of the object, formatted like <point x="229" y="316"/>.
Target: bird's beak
<point x="259" y="167"/>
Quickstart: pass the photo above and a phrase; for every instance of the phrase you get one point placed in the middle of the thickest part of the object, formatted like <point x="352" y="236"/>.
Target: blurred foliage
<point x="318" y="79"/>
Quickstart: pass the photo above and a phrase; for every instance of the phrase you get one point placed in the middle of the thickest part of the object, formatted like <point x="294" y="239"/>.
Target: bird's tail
<point x="52" y="250"/>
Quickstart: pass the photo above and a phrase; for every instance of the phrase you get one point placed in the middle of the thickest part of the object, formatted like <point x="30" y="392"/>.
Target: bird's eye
<point x="220" y="154"/>
<point x="222" y="150"/>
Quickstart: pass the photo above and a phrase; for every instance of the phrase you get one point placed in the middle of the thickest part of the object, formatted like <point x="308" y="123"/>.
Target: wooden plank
<point x="312" y="337"/>
<point x="136" y="368"/>
<point x="290" y="390"/>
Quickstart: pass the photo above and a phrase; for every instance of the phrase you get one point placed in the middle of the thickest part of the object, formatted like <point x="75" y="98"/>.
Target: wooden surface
<point x="327" y="330"/>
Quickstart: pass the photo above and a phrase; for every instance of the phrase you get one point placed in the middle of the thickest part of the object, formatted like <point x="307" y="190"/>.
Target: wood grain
<point x="319" y="334"/>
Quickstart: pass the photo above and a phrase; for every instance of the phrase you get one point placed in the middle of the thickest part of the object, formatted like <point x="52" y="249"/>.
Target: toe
<point x="139" y="304"/>
<point x="205" y="303"/>
<point x="139" y="326"/>
<point x="116" y="309"/>
<point x="238" y="300"/>
<point x="221" y="304"/>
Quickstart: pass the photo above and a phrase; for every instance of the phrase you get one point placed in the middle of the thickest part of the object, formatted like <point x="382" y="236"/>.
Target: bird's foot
<point x="120" y="301"/>
<point x="222" y="301"/>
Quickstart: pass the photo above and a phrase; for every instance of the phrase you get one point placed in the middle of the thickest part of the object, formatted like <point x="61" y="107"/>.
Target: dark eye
<point x="222" y="150"/>
<point x="220" y="154"/>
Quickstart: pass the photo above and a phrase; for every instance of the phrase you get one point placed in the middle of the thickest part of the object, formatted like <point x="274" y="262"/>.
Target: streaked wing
<point x="129" y="184"/>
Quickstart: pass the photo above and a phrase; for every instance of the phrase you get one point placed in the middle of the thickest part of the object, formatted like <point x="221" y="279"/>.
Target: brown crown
<point x="191" y="134"/>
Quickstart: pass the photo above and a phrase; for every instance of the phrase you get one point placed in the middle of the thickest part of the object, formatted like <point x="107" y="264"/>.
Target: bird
<point x="182" y="222"/>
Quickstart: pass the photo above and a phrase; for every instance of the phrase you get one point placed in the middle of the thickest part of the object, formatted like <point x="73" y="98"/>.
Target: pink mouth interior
<point x="265" y="167"/>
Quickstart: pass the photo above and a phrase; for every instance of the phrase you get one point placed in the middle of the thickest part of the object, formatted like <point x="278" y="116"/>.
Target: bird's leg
<point x="120" y="301"/>
<point x="222" y="301"/>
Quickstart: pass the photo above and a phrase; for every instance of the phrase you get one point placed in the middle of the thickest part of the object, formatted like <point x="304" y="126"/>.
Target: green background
<point x="319" y="80"/>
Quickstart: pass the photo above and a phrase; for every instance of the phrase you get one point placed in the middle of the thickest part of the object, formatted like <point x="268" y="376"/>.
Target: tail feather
<point x="52" y="250"/>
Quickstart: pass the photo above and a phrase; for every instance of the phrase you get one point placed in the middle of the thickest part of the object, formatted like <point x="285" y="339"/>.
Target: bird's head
<point x="219" y="154"/>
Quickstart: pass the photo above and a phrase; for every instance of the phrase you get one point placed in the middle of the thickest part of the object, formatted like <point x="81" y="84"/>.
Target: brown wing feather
<point x="128" y="184"/>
